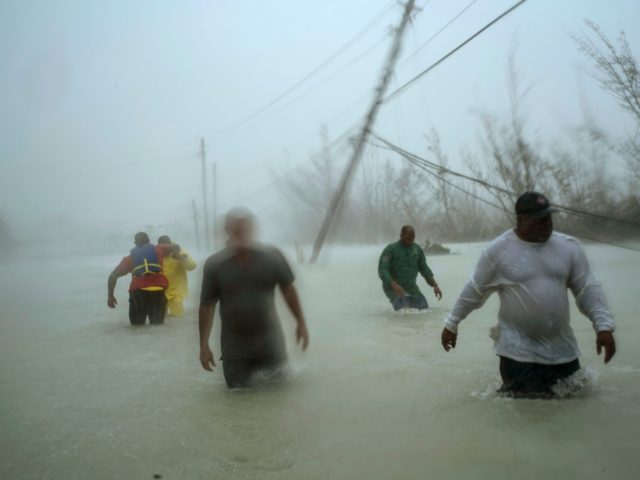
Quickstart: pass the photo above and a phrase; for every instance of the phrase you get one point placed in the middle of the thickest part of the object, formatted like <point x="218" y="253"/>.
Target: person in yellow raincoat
<point x="175" y="268"/>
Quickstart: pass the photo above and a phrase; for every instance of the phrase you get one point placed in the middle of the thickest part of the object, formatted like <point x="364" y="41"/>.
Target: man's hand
<point x="437" y="292"/>
<point x="302" y="335"/>
<point x="111" y="301"/>
<point x="397" y="288"/>
<point x="605" y="340"/>
<point x="448" y="339"/>
<point x="206" y="358"/>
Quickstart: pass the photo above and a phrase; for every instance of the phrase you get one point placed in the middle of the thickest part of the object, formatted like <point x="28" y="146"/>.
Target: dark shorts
<point x="238" y="372"/>
<point x="144" y="303"/>
<point x="533" y="380"/>
<point x="416" y="301"/>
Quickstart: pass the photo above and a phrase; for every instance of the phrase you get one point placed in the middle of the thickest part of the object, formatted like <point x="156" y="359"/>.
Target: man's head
<point x="140" y="239"/>
<point x="533" y="212"/>
<point x="239" y="224"/>
<point x="164" y="239"/>
<point x="407" y="235"/>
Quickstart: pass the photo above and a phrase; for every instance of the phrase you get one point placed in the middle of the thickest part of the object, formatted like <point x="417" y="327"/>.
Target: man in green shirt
<point x="398" y="269"/>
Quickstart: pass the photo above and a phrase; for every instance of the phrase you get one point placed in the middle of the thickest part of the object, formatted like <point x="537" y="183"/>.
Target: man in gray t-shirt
<point x="243" y="277"/>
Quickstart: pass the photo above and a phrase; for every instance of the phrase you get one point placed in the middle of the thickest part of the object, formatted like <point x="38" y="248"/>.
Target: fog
<point x="103" y="101"/>
<point x="111" y="109"/>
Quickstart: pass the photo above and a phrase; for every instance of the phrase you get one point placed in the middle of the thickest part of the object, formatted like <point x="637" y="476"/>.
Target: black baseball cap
<point x="534" y="204"/>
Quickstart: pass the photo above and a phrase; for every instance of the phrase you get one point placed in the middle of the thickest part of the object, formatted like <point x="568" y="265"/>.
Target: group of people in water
<point x="158" y="279"/>
<point x="531" y="267"/>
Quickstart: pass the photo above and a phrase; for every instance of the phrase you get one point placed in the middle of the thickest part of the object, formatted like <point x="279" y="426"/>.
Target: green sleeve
<point x="424" y="269"/>
<point x="383" y="265"/>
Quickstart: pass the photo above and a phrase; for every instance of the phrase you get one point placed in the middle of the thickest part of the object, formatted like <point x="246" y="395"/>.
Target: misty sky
<point x="103" y="103"/>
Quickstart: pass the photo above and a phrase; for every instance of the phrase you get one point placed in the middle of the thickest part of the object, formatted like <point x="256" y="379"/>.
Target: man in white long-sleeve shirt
<point x="531" y="268"/>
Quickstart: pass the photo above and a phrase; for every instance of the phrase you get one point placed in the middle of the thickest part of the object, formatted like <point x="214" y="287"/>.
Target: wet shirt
<point x="151" y="281"/>
<point x="532" y="281"/>
<point x="402" y="263"/>
<point x="250" y="325"/>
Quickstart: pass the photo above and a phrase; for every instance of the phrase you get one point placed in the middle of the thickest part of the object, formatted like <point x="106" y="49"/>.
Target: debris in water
<point x="434" y="248"/>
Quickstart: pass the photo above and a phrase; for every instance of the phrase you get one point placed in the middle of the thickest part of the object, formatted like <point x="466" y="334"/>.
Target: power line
<point x="428" y="169"/>
<point x="458" y="15"/>
<point x="442" y="59"/>
<point x="257" y="119"/>
<point x="322" y="64"/>
<point x="331" y="76"/>
<point x="500" y="207"/>
<point x="441" y="170"/>
<point x="433" y="165"/>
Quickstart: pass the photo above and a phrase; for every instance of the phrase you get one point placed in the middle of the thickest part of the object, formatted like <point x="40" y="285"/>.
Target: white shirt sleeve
<point x="475" y="292"/>
<point x="588" y="292"/>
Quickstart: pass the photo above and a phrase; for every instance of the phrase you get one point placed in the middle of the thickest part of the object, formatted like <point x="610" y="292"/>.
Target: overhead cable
<point x="407" y="84"/>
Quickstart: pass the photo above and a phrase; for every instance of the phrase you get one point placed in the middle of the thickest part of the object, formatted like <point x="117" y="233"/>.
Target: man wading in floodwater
<point x="148" y="283"/>
<point x="531" y="268"/>
<point x="398" y="269"/>
<point x="243" y="277"/>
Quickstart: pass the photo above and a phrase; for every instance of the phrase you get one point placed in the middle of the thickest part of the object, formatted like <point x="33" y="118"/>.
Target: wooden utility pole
<point x="214" y="195"/>
<point x="380" y="91"/>
<point x="203" y="155"/>
<point x="195" y="222"/>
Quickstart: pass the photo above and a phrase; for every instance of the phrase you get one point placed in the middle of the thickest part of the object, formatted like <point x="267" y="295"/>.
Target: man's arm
<point x="293" y="302"/>
<point x="209" y="296"/>
<point x="436" y="288"/>
<point x="383" y="266"/>
<point x="205" y="324"/>
<point x="473" y="295"/>
<point x="285" y="278"/>
<point x="384" y="272"/>
<point x="592" y="302"/>
<point x="111" y="286"/>
<point x="427" y="274"/>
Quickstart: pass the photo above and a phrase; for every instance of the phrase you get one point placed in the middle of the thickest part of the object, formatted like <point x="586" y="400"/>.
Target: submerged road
<point x="86" y="396"/>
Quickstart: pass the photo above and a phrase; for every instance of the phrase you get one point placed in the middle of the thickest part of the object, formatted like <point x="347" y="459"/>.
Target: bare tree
<point x="309" y="191"/>
<point x="440" y="186"/>
<point x="618" y="75"/>
<point x="509" y="160"/>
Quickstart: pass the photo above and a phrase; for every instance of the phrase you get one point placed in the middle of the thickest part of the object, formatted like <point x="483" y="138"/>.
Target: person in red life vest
<point x="148" y="283"/>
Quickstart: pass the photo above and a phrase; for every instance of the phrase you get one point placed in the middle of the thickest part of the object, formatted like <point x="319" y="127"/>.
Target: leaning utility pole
<point x="387" y="73"/>
<point x="214" y="195"/>
<point x="204" y="194"/>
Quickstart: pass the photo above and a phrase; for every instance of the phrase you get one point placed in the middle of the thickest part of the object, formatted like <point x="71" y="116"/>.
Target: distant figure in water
<point x="148" y="282"/>
<point x="531" y="268"/>
<point x="175" y="268"/>
<point x="243" y="277"/>
<point x="398" y="269"/>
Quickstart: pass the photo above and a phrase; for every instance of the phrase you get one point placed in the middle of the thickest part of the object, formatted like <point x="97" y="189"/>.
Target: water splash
<point x="580" y="384"/>
<point x="410" y="312"/>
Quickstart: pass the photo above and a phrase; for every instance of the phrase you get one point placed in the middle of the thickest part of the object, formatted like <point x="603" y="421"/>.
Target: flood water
<point x="86" y="396"/>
